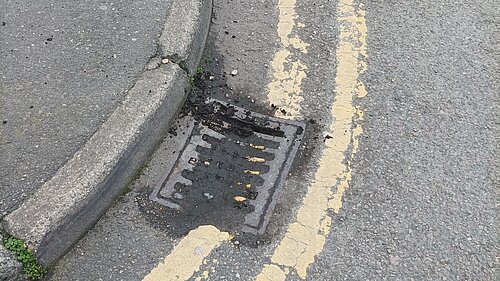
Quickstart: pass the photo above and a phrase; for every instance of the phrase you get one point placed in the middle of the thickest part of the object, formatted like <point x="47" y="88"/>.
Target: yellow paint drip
<point x="255" y="159"/>
<point x="252" y="172"/>
<point x="284" y="89"/>
<point x="187" y="257"/>
<point x="246" y="185"/>
<point x="305" y="238"/>
<point x="239" y="199"/>
<point x="259" y="147"/>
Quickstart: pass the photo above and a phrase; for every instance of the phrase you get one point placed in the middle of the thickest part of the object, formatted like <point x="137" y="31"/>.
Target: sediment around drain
<point x="214" y="180"/>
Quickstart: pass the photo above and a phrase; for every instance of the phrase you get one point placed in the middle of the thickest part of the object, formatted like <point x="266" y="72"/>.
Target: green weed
<point x="32" y="268"/>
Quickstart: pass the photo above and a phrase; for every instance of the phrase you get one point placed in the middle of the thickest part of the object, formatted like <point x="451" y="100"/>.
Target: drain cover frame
<point x="287" y="134"/>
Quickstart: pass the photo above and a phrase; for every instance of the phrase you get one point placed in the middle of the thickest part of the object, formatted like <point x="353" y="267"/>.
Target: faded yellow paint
<point x="284" y="89"/>
<point x="305" y="238"/>
<point x="252" y="172"/>
<point x="187" y="257"/>
<point x="271" y="272"/>
<point x="255" y="159"/>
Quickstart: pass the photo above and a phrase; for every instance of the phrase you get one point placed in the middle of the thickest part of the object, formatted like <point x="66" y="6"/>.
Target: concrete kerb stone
<point x="59" y="213"/>
<point x="186" y="16"/>
<point x="69" y="204"/>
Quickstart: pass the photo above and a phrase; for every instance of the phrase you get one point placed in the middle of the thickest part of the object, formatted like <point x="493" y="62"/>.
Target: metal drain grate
<point x="231" y="168"/>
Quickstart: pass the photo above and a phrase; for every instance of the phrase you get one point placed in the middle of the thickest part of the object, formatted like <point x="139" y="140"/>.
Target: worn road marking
<point x="305" y="238"/>
<point x="187" y="257"/>
<point x="284" y="89"/>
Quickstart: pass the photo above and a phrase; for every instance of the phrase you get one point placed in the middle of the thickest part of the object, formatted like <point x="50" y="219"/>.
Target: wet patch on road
<point x="229" y="172"/>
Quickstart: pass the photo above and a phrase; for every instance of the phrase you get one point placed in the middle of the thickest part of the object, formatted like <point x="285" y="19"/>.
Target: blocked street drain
<point x="231" y="169"/>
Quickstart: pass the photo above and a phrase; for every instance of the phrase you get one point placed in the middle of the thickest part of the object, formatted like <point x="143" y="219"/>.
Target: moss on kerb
<point x="25" y="256"/>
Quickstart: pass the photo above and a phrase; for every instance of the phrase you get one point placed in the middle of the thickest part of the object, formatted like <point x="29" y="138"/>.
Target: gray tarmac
<point x="65" y="66"/>
<point x="423" y="201"/>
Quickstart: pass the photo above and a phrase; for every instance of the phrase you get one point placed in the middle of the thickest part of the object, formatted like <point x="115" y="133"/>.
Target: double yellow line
<point x="306" y="236"/>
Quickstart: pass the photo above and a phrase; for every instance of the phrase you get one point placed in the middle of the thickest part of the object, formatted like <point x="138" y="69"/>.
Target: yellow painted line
<point x="284" y="88"/>
<point x="252" y="172"/>
<point x="187" y="257"/>
<point x="305" y="238"/>
<point x="255" y="159"/>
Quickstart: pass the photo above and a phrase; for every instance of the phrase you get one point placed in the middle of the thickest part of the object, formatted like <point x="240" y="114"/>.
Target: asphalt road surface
<point x="397" y="177"/>
<point x="65" y="66"/>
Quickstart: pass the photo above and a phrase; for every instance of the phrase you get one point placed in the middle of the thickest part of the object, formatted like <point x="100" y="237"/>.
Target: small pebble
<point x="165" y="61"/>
<point x="178" y="196"/>
<point x="234" y="72"/>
